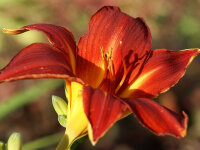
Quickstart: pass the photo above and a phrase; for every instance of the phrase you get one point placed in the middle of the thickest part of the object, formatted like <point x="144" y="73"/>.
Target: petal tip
<point x="14" y="31"/>
<point x="90" y="134"/>
<point x="158" y="119"/>
<point x="183" y="131"/>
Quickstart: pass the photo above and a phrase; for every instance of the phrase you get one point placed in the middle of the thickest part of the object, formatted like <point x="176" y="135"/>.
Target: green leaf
<point x="43" y="142"/>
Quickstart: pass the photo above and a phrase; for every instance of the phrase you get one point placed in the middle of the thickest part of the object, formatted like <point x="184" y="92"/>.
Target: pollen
<point x="108" y="60"/>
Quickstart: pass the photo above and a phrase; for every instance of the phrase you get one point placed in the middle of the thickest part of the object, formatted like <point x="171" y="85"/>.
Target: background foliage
<point x="26" y="107"/>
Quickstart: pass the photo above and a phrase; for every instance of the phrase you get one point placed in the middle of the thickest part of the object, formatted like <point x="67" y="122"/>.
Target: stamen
<point x="110" y="63"/>
<point x="109" y="74"/>
<point x="108" y="60"/>
<point x="101" y="51"/>
<point x="104" y="60"/>
<point x="125" y="70"/>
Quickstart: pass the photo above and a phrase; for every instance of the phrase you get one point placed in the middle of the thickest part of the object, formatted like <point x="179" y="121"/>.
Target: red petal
<point x="157" y="118"/>
<point x="107" y="28"/>
<point x="102" y="110"/>
<point x="60" y="37"/>
<point x="37" y="61"/>
<point x="161" y="71"/>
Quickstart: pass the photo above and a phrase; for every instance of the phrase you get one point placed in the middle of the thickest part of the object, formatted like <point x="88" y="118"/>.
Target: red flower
<point x="114" y="67"/>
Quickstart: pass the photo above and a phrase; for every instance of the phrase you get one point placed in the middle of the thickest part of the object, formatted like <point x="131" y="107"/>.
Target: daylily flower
<point x="111" y="73"/>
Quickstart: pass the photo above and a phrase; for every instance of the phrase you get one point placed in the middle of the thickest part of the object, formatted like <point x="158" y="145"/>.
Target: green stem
<point x="64" y="143"/>
<point x="43" y="142"/>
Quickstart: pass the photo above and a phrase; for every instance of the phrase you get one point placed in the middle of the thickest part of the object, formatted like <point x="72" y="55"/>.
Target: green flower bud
<point x="59" y="105"/>
<point x="2" y="146"/>
<point x="14" y="142"/>
<point x="62" y="119"/>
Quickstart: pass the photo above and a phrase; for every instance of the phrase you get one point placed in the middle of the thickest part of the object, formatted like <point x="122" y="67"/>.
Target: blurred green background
<point x="25" y="106"/>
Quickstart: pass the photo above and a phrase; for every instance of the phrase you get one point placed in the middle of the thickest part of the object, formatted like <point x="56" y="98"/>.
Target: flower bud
<point x="2" y="146"/>
<point x="62" y="119"/>
<point x="14" y="142"/>
<point x="59" y="105"/>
